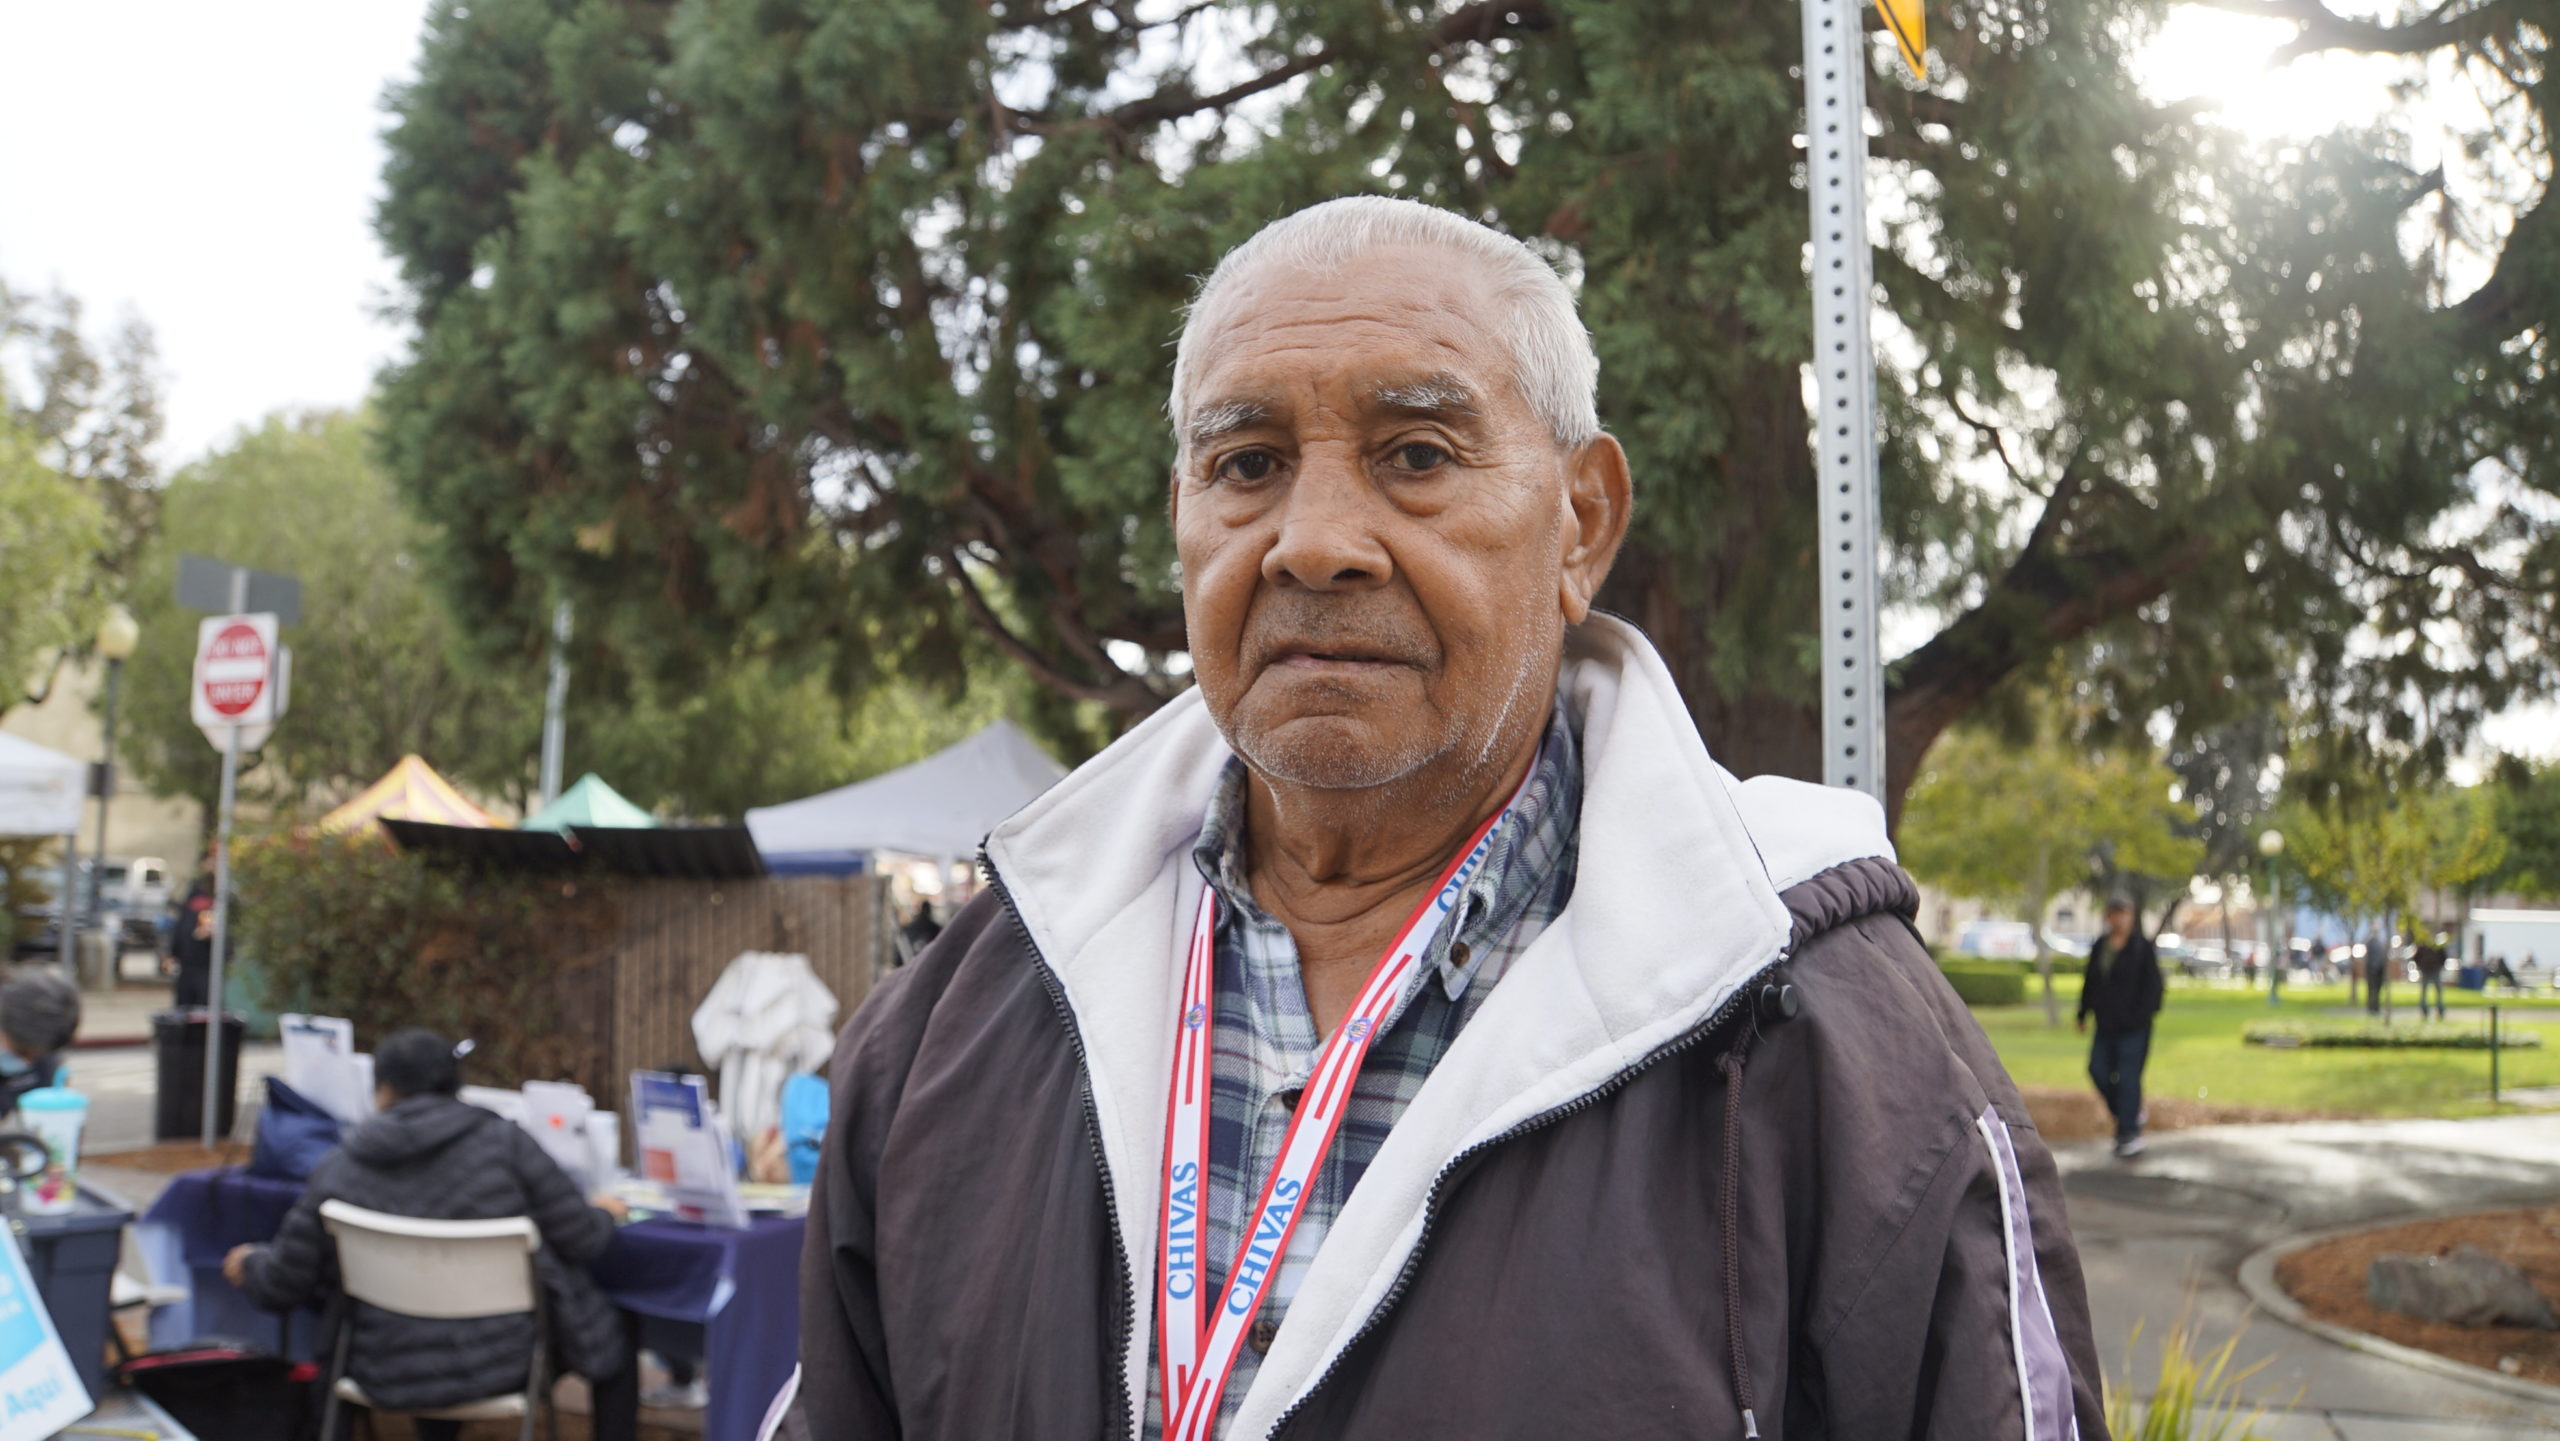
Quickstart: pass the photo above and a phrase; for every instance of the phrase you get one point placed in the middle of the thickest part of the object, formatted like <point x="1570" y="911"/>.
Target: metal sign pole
<point x="1844" y="373"/>
<point x="213" y="1029"/>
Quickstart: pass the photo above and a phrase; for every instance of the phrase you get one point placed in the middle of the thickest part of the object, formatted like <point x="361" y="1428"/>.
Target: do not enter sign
<point x="235" y="683"/>
<point x="234" y="670"/>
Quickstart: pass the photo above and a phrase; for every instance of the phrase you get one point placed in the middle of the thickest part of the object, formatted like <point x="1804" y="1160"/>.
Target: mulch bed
<point x="2328" y="1279"/>
<point x="2074" y="1114"/>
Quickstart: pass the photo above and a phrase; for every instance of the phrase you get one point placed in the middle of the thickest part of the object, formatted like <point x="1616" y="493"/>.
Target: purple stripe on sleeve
<point x="2044" y="1375"/>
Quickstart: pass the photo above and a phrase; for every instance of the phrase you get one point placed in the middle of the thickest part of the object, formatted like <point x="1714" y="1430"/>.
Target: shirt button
<point x="1289" y="1097"/>
<point x="1458" y="953"/>
<point x="1264" y="1328"/>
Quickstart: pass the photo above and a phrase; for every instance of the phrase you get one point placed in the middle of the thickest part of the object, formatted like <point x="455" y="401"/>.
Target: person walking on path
<point x="2121" y="991"/>
<point x="1294" y="1076"/>
<point x="2377" y="977"/>
<point x="2430" y="959"/>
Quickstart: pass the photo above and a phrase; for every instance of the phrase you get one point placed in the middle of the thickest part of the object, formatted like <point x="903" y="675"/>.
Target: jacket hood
<point x="413" y="1130"/>
<point x="1676" y="907"/>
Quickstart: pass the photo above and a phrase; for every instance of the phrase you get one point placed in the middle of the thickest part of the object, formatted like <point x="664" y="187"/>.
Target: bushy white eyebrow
<point x="1225" y="418"/>
<point x="1436" y="395"/>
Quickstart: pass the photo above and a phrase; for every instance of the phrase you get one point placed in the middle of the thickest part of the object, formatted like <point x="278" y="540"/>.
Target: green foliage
<point x="30" y="871"/>
<point x="2018" y="823"/>
<point x="376" y="669"/>
<point x="2528" y="820"/>
<point x="357" y="928"/>
<point x="750" y="323"/>
<point x="50" y="530"/>
<point x="1986" y="983"/>
<point x="2195" y="1396"/>
<point x="94" y="418"/>
<point x="2366" y="856"/>
<point x="381" y="668"/>
<point x="2423" y="1036"/>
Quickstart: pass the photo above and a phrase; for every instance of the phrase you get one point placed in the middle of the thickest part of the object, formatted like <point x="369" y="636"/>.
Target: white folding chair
<point x="439" y="1270"/>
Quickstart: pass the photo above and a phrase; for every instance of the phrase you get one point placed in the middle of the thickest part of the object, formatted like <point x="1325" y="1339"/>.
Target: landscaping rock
<point x="2467" y="1287"/>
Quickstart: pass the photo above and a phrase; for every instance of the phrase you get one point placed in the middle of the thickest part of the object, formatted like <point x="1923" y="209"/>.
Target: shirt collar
<point x="1550" y="809"/>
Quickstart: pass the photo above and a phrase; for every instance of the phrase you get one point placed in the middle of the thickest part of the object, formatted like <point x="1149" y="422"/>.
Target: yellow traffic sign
<point x="1910" y="27"/>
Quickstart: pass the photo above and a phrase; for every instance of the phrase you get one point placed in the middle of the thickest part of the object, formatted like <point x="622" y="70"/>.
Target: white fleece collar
<point x="1674" y="908"/>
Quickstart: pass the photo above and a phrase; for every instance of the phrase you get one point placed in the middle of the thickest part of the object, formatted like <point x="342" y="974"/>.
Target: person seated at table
<point x="428" y="1155"/>
<point x="39" y="1011"/>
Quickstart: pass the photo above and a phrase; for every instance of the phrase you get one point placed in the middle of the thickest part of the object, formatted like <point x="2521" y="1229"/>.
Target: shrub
<point x="2441" y="1036"/>
<point x="357" y="928"/>
<point x="2197" y="1396"/>
<point x="1987" y="983"/>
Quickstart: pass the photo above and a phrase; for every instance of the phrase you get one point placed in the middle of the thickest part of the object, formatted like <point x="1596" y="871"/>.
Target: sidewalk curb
<point x="2258" y="1281"/>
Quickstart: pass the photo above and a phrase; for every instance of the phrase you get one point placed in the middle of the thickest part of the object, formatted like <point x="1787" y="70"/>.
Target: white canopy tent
<point x="940" y="807"/>
<point x="41" y="793"/>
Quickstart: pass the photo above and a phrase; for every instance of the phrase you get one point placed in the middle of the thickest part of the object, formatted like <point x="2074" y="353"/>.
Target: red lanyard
<point x="1197" y="1357"/>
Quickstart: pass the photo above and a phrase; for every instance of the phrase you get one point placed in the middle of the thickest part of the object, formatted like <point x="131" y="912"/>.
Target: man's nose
<point x="1328" y="536"/>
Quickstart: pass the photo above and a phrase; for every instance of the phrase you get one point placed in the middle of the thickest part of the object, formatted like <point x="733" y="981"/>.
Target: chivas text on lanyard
<point x="1199" y="1354"/>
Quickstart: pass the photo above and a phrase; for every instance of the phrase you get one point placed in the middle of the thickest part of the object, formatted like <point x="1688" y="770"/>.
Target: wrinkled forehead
<point x="1392" y="329"/>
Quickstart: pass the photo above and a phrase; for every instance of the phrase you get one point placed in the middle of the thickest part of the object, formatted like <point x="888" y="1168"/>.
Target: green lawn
<point x="2196" y="1051"/>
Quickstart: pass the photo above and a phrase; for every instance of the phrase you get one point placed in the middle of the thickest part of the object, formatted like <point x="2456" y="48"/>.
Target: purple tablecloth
<point x="740" y="1288"/>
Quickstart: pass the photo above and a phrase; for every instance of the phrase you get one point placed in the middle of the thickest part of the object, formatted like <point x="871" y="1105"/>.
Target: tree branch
<point x="1179" y="100"/>
<point x="2325" y="29"/>
<point x="1124" y="692"/>
<point x="2047" y="595"/>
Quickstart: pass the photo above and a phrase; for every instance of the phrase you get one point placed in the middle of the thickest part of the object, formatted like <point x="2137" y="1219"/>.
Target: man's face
<point x="1381" y="544"/>
<point x="2119" y="924"/>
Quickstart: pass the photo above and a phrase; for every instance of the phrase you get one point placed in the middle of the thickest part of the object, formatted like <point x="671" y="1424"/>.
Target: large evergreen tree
<point x="838" y="329"/>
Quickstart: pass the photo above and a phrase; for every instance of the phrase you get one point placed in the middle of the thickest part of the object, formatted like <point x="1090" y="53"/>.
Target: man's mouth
<point x="1327" y="659"/>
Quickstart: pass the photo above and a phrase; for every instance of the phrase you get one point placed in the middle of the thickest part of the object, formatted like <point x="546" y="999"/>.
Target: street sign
<point x="251" y="737"/>
<point x="235" y="675"/>
<point x="208" y="584"/>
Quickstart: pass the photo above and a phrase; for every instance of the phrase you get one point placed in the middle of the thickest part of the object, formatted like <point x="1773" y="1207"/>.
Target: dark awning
<point x="688" y="852"/>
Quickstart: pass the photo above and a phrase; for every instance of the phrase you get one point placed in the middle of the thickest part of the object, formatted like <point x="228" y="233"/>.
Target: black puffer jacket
<point x="435" y="1158"/>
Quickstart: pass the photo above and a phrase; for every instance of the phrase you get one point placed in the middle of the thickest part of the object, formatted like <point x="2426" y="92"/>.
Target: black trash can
<point x="177" y="1038"/>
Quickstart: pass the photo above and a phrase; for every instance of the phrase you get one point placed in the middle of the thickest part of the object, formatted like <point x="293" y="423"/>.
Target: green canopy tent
<point x="589" y="804"/>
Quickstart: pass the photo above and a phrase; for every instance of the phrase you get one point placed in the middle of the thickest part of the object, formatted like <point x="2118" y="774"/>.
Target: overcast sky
<point x="211" y="168"/>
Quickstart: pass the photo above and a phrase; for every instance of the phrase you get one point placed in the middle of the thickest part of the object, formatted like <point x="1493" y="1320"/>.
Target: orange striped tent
<point x="412" y="791"/>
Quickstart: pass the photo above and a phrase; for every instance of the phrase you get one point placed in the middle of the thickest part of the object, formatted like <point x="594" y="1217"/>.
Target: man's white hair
<point x="1551" y="356"/>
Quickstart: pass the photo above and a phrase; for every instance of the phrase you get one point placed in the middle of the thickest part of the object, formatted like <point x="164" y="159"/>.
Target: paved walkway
<point x="2163" y="1236"/>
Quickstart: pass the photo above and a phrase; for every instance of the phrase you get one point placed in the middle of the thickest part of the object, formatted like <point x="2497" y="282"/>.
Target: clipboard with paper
<point x="683" y="1147"/>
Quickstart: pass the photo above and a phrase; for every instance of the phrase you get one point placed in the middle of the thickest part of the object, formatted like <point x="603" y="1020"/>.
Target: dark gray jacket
<point x="2128" y="993"/>
<point x="1636" y="1198"/>
<point x="436" y="1158"/>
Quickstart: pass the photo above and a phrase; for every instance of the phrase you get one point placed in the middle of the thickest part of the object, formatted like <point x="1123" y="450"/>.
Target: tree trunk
<point x="2044" y="956"/>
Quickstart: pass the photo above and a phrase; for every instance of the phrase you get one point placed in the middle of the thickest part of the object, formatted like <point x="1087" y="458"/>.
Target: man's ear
<point x="1599" y="500"/>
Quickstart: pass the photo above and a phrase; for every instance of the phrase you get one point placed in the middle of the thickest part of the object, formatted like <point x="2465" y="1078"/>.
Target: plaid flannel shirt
<point x="1266" y="1040"/>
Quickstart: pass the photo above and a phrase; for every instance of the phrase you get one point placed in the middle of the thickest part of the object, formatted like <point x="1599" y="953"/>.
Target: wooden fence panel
<point x="677" y="936"/>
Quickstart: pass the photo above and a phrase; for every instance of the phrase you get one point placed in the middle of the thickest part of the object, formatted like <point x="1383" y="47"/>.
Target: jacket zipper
<point x="1093" y="1138"/>
<point x="1431" y="1201"/>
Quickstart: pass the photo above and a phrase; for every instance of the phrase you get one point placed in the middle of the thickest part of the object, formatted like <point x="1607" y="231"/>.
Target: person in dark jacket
<point x="39" y="1013"/>
<point x="428" y="1155"/>
<point x="191" y="942"/>
<point x="2430" y="959"/>
<point x="1410" y="1030"/>
<point x="2121" y="989"/>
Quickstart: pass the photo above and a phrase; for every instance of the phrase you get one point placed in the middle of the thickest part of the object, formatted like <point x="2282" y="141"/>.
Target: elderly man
<point x="1411" y="1031"/>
